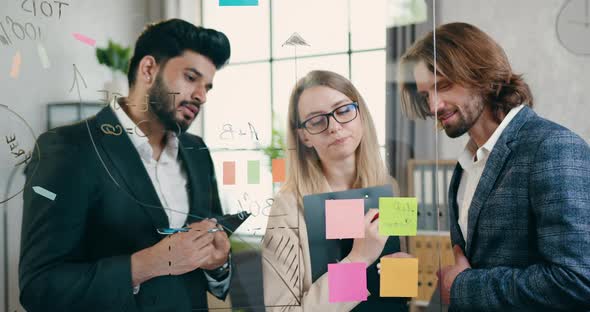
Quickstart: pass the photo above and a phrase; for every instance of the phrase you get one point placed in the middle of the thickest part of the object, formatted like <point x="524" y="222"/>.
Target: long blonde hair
<point x="304" y="174"/>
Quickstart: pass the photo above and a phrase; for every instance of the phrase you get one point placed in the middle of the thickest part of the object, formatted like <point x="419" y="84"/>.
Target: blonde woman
<point x="332" y="147"/>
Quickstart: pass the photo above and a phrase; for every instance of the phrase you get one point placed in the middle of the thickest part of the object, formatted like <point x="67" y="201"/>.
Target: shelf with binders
<point x="428" y="181"/>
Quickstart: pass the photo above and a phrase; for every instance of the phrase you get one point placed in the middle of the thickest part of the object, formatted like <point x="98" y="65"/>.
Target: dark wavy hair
<point x="466" y="56"/>
<point x="171" y="38"/>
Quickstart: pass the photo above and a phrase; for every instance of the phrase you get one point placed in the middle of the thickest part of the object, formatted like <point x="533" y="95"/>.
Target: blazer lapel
<point x="126" y="161"/>
<point x="493" y="169"/>
<point x="488" y="178"/>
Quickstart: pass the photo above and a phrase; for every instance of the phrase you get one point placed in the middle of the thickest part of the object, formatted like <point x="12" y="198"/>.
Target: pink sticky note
<point x="345" y="218"/>
<point x="84" y="39"/>
<point x="347" y="282"/>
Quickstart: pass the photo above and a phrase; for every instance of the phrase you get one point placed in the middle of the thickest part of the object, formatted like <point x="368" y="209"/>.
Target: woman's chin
<point x="341" y="155"/>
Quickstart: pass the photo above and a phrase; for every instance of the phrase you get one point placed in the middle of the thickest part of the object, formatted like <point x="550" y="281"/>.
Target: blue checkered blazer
<point x="528" y="236"/>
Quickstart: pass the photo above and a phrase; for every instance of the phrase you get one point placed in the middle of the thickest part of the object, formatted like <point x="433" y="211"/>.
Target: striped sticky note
<point x="253" y="171"/>
<point x="43" y="192"/>
<point x="238" y="2"/>
<point x="229" y="172"/>
<point x="278" y="170"/>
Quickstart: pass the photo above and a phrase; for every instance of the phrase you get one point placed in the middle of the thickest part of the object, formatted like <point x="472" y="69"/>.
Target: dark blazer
<point x="76" y="250"/>
<point x="529" y="223"/>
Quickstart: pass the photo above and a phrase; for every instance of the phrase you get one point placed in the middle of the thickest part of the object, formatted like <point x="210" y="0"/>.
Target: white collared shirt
<point x="167" y="174"/>
<point x="473" y="169"/>
<point x="169" y="180"/>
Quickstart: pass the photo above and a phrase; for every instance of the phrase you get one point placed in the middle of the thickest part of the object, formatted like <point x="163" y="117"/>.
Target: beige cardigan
<point x="285" y="278"/>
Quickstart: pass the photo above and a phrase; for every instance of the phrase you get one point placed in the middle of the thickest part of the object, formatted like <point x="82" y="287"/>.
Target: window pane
<point x="238" y="108"/>
<point x="406" y="12"/>
<point x="367" y="24"/>
<point x="368" y="75"/>
<point x="284" y="79"/>
<point x="255" y="198"/>
<point x="325" y="33"/>
<point x="247" y="28"/>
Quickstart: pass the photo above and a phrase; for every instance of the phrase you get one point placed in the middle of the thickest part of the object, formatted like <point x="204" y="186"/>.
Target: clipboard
<point x="323" y="251"/>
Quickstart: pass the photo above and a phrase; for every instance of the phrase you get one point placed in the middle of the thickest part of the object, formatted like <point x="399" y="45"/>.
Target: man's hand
<point x="177" y="254"/>
<point x="447" y="275"/>
<point x="221" y="246"/>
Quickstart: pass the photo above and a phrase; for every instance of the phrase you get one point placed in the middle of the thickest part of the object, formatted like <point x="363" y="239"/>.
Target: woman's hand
<point x="368" y="249"/>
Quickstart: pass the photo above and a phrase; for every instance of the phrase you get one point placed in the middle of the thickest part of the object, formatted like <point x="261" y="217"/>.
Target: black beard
<point x="161" y="104"/>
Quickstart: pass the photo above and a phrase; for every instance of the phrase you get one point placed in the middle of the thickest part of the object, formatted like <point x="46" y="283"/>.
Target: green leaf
<point x="114" y="56"/>
<point x="101" y="55"/>
<point x="276" y="149"/>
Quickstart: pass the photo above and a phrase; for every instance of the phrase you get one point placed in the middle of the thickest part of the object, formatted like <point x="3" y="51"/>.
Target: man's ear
<point x="304" y="138"/>
<point x="148" y="69"/>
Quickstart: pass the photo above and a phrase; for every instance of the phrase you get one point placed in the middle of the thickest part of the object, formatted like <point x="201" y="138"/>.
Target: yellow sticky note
<point x="398" y="216"/>
<point x="399" y="277"/>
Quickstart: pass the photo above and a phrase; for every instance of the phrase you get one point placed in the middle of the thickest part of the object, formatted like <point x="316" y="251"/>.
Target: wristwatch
<point x="220" y="273"/>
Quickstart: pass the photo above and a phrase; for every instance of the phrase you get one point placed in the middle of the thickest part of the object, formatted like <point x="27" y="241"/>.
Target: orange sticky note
<point x="399" y="277"/>
<point x="278" y="170"/>
<point x="16" y="61"/>
<point x="229" y="172"/>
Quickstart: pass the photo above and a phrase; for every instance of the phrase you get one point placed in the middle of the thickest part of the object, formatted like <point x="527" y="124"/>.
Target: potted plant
<point x="116" y="57"/>
<point x="277" y="147"/>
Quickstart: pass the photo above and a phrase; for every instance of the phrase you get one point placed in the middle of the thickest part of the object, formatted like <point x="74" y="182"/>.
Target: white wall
<point x="28" y="95"/>
<point x="526" y="30"/>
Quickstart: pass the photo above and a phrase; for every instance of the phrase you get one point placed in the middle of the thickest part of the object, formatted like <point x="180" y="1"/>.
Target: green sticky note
<point x="253" y="171"/>
<point x="398" y="216"/>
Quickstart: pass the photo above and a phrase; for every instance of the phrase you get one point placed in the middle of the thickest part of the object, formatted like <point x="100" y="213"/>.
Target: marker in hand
<point x="170" y="231"/>
<point x="375" y="217"/>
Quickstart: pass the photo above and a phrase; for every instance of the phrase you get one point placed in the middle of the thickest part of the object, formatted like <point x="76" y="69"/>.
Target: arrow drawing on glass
<point x="294" y="40"/>
<point x="76" y="83"/>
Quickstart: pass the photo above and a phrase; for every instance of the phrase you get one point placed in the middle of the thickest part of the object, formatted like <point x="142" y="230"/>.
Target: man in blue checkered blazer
<point x="520" y="194"/>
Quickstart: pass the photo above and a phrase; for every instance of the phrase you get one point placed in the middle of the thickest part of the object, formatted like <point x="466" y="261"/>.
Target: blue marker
<point x="170" y="231"/>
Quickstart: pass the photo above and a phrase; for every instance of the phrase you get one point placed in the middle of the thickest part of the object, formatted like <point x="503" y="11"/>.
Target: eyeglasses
<point x="342" y="114"/>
